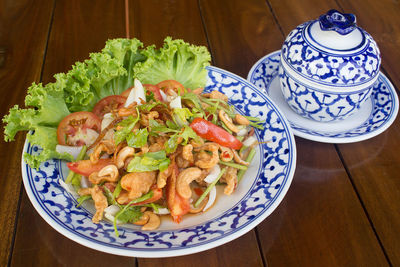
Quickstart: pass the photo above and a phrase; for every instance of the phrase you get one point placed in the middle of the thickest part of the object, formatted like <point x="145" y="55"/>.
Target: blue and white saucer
<point x="373" y="118"/>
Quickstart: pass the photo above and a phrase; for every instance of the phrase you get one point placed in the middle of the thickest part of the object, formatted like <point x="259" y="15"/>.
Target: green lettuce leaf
<point x="105" y="73"/>
<point x="176" y="60"/>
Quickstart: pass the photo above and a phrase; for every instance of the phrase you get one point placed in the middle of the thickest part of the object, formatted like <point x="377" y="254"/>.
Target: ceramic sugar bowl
<point x="328" y="67"/>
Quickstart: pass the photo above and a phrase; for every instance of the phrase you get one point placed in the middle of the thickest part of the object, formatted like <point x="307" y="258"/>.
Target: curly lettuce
<point x="105" y="73"/>
<point x="176" y="60"/>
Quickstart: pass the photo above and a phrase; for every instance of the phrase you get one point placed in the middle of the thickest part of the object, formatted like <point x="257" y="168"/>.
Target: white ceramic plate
<point x="258" y="194"/>
<point x="374" y="117"/>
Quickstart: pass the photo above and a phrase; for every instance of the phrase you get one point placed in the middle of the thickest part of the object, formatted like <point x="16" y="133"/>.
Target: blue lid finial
<point x="337" y="21"/>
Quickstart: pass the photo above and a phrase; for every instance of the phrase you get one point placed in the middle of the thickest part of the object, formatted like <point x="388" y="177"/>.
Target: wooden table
<point x="343" y="207"/>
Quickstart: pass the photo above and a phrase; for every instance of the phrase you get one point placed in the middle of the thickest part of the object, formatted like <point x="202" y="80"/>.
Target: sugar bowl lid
<point x="332" y="51"/>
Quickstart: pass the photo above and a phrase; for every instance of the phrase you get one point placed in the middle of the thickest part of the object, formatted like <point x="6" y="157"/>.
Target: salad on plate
<point x="141" y="138"/>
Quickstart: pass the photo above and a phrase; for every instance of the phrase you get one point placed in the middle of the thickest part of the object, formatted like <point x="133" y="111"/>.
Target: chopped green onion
<point x="248" y="159"/>
<point x="234" y="165"/>
<point x="117" y="189"/>
<point x="83" y="199"/>
<point x="201" y="198"/>
<point x="71" y="174"/>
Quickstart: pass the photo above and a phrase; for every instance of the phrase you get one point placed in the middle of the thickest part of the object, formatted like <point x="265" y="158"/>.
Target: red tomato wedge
<point x="78" y="128"/>
<point x="107" y="104"/>
<point x="171" y="84"/>
<point x="178" y="208"/>
<point x="214" y="133"/>
<point x="86" y="167"/>
<point x="155" y="89"/>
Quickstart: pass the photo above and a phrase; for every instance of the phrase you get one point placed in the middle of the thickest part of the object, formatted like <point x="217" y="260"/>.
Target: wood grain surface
<point x="343" y="205"/>
<point x="23" y="35"/>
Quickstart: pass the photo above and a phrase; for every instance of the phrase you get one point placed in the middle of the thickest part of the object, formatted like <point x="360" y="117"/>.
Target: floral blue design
<point x="384" y="102"/>
<point x="340" y="22"/>
<point x="270" y="183"/>
<point x="322" y="66"/>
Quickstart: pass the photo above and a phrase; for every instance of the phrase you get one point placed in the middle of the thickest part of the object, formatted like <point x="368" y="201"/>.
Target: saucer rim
<point x="329" y="139"/>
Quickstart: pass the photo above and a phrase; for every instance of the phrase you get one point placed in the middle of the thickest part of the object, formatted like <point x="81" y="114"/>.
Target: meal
<point x="141" y="137"/>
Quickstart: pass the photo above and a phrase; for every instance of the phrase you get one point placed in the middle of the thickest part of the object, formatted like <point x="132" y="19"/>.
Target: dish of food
<point x="238" y="207"/>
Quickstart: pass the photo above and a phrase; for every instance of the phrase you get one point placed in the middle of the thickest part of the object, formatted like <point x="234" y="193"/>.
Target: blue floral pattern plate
<point x="261" y="190"/>
<point x="374" y="117"/>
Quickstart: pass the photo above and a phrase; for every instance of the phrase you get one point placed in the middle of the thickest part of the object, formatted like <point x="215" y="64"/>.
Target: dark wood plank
<point x="23" y="33"/>
<point x="321" y="221"/>
<point x="151" y="22"/>
<point x="374" y="164"/>
<point x="79" y="27"/>
<point x="38" y="244"/>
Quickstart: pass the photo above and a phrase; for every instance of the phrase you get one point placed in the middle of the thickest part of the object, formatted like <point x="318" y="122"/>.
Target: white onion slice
<point x="136" y="94"/>
<point x="107" y="119"/>
<point x="162" y="211"/>
<point x="68" y="187"/>
<point x="211" y="198"/>
<point x="164" y="96"/>
<point x="85" y="182"/>
<point x="73" y="150"/>
<point x="214" y="173"/>
<point x="112" y="209"/>
<point x="249" y="141"/>
<point x="176" y="102"/>
<point x="243" y="131"/>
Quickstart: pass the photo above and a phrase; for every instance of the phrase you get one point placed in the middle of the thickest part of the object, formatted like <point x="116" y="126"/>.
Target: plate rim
<point x="181" y="251"/>
<point x="330" y="139"/>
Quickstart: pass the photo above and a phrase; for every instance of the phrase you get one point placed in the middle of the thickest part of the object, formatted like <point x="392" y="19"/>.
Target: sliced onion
<point x="85" y="182"/>
<point x="211" y="199"/>
<point x="136" y="94"/>
<point x="69" y="188"/>
<point x="214" y="173"/>
<point x="249" y="141"/>
<point x="176" y="102"/>
<point x="243" y="131"/>
<point x="107" y="119"/>
<point x="164" y="96"/>
<point x="162" y="211"/>
<point x="72" y="150"/>
<point x="112" y="210"/>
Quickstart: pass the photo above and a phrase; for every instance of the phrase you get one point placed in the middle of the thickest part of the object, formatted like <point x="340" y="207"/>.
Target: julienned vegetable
<point x="109" y="72"/>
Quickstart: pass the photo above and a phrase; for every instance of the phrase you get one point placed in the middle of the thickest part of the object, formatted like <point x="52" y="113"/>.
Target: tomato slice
<point x="78" y="128"/>
<point x="178" y="208"/>
<point x="214" y="133"/>
<point x="107" y="104"/>
<point x="157" y="194"/>
<point x="155" y="89"/>
<point x="171" y="84"/>
<point x="86" y="167"/>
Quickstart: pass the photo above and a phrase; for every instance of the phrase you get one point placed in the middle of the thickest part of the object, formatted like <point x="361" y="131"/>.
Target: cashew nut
<point x="228" y="121"/>
<point x="226" y="154"/>
<point x="108" y="173"/>
<point x="123" y="155"/>
<point x="153" y="222"/>
<point x="143" y="220"/>
<point x="218" y="95"/>
<point x="184" y="179"/>
<point x="242" y="120"/>
<point x="104" y="146"/>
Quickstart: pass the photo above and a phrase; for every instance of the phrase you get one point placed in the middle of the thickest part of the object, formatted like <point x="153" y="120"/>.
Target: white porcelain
<point x="373" y="118"/>
<point x="328" y="67"/>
